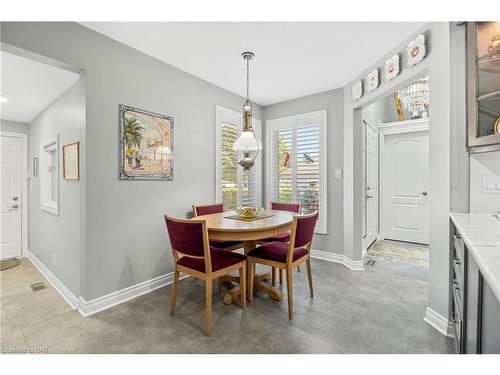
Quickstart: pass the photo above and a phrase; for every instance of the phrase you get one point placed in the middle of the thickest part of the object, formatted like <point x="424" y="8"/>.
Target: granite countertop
<point x="481" y="234"/>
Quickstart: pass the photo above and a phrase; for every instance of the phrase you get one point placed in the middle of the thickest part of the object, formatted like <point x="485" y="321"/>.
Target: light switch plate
<point x="491" y="184"/>
<point x="338" y="172"/>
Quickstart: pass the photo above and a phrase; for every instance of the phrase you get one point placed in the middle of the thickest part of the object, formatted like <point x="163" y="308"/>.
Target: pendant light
<point x="247" y="142"/>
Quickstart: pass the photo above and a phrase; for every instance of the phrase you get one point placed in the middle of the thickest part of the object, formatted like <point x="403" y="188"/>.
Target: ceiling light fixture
<point x="247" y="142"/>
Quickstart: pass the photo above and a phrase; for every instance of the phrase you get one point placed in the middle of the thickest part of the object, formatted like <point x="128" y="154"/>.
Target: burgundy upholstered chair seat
<point x="276" y="251"/>
<point x="281" y="237"/>
<point x="220" y="259"/>
<point x="225" y="244"/>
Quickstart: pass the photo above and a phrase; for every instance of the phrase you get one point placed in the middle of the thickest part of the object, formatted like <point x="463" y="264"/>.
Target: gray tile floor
<point x="376" y="311"/>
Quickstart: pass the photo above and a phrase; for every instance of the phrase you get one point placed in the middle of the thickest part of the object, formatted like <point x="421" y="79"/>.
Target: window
<point x="234" y="187"/>
<point x="49" y="176"/>
<point x="296" y="162"/>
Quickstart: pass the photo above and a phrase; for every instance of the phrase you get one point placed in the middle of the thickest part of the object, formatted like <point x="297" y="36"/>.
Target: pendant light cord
<point x="248" y="78"/>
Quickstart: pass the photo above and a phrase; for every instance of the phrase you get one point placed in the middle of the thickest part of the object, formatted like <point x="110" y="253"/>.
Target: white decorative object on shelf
<point x="415" y="51"/>
<point x="372" y="80"/>
<point x="357" y="90"/>
<point x="391" y="68"/>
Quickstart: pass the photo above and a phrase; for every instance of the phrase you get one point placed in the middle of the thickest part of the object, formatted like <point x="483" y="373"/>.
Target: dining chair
<point x="284" y="236"/>
<point x="193" y="256"/>
<point x="214" y="208"/>
<point x="285" y="256"/>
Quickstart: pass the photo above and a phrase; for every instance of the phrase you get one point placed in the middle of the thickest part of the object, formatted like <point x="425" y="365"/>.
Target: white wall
<point x="14" y="126"/>
<point x="485" y="164"/>
<point x="51" y="234"/>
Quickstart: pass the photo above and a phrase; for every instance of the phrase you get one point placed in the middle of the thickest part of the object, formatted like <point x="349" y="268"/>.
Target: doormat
<point x="237" y="217"/>
<point x="9" y="263"/>
<point x="400" y="252"/>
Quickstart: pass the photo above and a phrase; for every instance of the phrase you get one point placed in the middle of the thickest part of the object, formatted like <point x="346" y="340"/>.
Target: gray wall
<point x="375" y="113"/>
<point x="437" y="64"/>
<point x="51" y="234"/>
<point x="14" y="126"/>
<point x="332" y="101"/>
<point x="125" y="237"/>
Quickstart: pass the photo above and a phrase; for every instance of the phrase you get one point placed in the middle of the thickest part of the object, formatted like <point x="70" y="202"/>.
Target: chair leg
<point x="309" y="277"/>
<point x="281" y="276"/>
<point x="273" y="276"/>
<point x="298" y="268"/>
<point x="251" y="277"/>
<point x="174" y="292"/>
<point x="208" y="302"/>
<point x="243" y="286"/>
<point x="289" y="292"/>
<point x="220" y="283"/>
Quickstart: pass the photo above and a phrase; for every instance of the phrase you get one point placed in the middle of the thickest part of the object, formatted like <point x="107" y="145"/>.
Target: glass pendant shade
<point x="247" y="142"/>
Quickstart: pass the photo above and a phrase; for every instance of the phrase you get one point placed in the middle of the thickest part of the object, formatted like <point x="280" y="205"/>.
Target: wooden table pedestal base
<point x="260" y="284"/>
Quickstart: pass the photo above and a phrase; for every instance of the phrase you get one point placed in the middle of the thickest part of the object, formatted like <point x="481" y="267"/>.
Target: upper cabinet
<point x="483" y="83"/>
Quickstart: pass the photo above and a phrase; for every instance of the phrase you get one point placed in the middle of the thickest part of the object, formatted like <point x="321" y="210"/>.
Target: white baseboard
<point x="354" y="265"/>
<point x="87" y="308"/>
<point x="65" y="293"/>
<point x="437" y="321"/>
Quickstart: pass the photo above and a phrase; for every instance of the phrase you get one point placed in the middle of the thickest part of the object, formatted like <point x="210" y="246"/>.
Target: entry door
<point x="371" y="185"/>
<point x="10" y="195"/>
<point x="405" y="187"/>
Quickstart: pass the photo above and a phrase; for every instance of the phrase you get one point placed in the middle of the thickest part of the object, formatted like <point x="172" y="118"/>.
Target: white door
<point x="10" y="195"/>
<point x="405" y="187"/>
<point x="371" y="185"/>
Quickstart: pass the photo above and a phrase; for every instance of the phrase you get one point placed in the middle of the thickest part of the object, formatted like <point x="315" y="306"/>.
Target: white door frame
<point x="398" y="127"/>
<point x="365" y="244"/>
<point x="24" y="188"/>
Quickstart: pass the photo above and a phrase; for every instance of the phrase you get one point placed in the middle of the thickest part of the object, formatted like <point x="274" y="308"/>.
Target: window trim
<point x="293" y="122"/>
<point x="225" y="114"/>
<point x="51" y="206"/>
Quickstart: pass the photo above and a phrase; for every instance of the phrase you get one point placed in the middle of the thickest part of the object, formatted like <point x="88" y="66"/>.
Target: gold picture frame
<point x="71" y="161"/>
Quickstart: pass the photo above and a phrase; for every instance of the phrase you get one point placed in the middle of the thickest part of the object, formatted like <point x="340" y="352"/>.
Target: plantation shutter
<point x="229" y="166"/>
<point x="282" y="165"/>
<point x="297" y="163"/>
<point x="308" y="168"/>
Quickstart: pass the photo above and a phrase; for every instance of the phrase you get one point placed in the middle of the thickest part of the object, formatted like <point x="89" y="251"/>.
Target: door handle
<point x="15" y="206"/>
<point x="424" y="193"/>
<point x="369" y="196"/>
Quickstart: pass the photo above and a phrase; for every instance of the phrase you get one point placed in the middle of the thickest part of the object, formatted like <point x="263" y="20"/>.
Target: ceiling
<point x="291" y="59"/>
<point x="30" y="86"/>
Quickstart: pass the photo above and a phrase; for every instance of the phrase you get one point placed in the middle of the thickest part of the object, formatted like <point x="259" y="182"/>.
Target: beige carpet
<point x="400" y="252"/>
<point x="9" y="263"/>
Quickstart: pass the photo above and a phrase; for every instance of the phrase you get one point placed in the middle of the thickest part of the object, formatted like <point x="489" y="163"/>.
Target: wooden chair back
<point x="292" y="207"/>
<point x="302" y="233"/>
<point x="189" y="238"/>
<point x="207" y="209"/>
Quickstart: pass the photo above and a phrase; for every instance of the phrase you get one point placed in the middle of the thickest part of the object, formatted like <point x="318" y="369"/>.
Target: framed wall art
<point x="71" y="161"/>
<point x="391" y="68"/>
<point x="146" y="145"/>
<point x="415" y="51"/>
<point x="357" y="90"/>
<point x="372" y="80"/>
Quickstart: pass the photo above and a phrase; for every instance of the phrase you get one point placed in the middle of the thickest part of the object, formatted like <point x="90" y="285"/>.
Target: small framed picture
<point x="357" y="90"/>
<point x="372" y="80"/>
<point x="415" y="51"/>
<point x="391" y="68"/>
<point x="71" y="161"/>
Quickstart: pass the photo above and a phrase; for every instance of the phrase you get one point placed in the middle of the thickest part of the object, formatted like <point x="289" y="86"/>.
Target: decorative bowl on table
<point x="249" y="212"/>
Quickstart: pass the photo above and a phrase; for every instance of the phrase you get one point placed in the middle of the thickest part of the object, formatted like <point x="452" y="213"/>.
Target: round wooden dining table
<point x="222" y="227"/>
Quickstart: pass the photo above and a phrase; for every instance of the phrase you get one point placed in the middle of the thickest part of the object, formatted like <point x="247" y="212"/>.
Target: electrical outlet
<point x="338" y="173"/>
<point x="54" y="263"/>
<point x="491" y="184"/>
